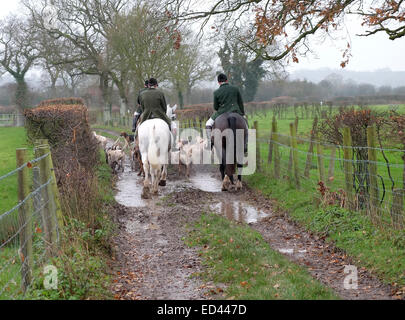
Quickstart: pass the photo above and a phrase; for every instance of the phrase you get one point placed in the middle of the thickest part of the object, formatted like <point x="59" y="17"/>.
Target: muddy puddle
<point x="239" y="211"/>
<point x="205" y="182"/>
<point x="129" y="190"/>
<point x="129" y="186"/>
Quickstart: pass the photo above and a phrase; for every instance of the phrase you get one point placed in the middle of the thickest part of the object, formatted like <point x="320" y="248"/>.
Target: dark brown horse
<point x="229" y="148"/>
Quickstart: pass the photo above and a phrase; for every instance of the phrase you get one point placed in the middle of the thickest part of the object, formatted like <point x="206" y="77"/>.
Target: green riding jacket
<point x="227" y="99"/>
<point x="139" y="110"/>
<point x="153" y="105"/>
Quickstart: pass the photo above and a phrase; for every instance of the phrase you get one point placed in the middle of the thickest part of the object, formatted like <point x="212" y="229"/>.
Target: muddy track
<point x="151" y="260"/>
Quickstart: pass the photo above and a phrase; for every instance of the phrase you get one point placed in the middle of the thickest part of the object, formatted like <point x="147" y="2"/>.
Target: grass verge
<point x="239" y="257"/>
<point x="82" y="267"/>
<point x="382" y="252"/>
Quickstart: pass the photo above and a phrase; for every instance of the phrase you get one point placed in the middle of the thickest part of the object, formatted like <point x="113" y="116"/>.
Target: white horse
<point x="155" y="141"/>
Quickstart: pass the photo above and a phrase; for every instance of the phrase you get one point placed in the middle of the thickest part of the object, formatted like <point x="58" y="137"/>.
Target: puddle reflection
<point x="239" y="211"/>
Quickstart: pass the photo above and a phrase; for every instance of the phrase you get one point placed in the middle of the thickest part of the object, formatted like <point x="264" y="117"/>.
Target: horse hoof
<point x="162" y="183"/>
<point x="224" y="189"/>
<point x="145" y="193"/>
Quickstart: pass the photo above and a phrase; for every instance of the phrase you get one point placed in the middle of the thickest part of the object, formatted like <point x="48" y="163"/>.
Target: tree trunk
<point x="181" y="99"/>
<point x="188" y="95"/>
<point x="123" y="107"/>
<point x="53" y="87"/>
<point x="21" y="99"/>
<point x="106" y="99"/>
<point x="123" y="100"/>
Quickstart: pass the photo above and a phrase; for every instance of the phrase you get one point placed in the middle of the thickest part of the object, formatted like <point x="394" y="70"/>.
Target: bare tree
<point x="142" y="45"/>
<point x="84" y="24"/>
<point x="71" y="78"/>
<point x="189" y="67"/>
<point x="291" y="23"/>
<point x="18" y="53"/>
<point x="145" y="43"/>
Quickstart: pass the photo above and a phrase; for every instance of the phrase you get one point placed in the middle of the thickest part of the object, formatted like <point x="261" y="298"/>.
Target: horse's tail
<point x="153" y="150"/>
<point x="232" y="125"/>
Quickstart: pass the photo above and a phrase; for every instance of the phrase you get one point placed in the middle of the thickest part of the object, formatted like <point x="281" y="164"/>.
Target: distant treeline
<point x="299" y="90"/>
<point x="303" y="90"/>
<point x="324" y="90"/>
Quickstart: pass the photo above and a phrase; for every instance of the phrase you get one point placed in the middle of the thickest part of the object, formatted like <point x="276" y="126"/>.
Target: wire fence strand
<point x="25" y="232"/>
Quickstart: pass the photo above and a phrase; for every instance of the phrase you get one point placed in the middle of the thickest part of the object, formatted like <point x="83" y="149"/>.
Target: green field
<point x="10" y="140"/>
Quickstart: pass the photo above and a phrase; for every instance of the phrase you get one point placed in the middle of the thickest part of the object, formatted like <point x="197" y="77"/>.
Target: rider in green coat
<point x="153" y="103"/>
<point x="227" y="98"/>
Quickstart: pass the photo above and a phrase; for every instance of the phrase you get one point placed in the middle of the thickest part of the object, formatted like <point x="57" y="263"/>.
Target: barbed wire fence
<point x="30" y="231"/>
<point x="334" y="175"/>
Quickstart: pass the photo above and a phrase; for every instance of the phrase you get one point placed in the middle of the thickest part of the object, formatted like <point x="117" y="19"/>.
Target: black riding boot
<point x="134" y="121"/>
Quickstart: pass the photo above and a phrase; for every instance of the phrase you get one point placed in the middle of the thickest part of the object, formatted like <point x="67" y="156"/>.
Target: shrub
<point x="202" y="111"/>
<point x="62" y="101"/>
<point x="358" y="121"/>
<point x="74" y="153"/>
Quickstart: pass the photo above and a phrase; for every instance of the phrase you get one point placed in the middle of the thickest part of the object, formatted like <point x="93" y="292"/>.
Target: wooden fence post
<point x="25" y="218"/>
<point x="397" y="208"/>
<point x="372" y="168"/>
<point x="35" y="185"/>
<point x="54" y="187"/>
<point x="258" y="161"/>
<point x="347" y="167"/>
<point x="271" y="143"/>
<point x="321" y="166"/>
<point x="276" y="150"/>
<point x="308" y="163"/>
<point x="331" y="171"/>
<point x="42" y="149"/>
<point x="294" y="150"/>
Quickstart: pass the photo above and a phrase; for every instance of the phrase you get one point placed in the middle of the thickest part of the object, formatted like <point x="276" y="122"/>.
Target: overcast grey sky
<point x="369" y="53"/>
